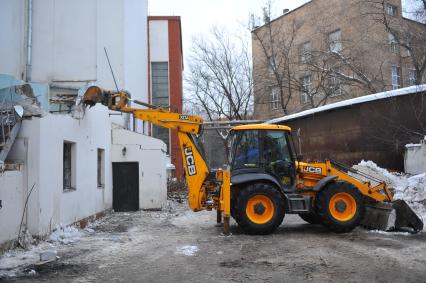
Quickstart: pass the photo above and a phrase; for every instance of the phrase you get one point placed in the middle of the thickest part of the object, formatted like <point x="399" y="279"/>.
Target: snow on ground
<point x="13" y="263"/>
<point x="65" y="235"/>
<point x="412" y="189"/>
<point x="187" y="250"/>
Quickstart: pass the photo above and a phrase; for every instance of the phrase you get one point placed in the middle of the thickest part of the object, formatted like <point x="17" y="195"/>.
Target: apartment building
<point x="330" y="50"/>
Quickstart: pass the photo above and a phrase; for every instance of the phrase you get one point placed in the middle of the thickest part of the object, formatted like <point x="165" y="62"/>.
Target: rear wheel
<point x="311" y="217"/>
<point x="340" y="206"/>
<point x="259" y="209"/>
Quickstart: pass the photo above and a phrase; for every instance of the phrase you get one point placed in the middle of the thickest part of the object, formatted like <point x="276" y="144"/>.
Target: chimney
<point x="285" y="11"/>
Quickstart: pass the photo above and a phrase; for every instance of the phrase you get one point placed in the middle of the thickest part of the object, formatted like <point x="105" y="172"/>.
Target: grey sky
<point x="198" y="16"/>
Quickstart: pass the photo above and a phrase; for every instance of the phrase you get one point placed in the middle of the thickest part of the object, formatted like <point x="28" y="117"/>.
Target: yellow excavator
<point x="265" y="179"/>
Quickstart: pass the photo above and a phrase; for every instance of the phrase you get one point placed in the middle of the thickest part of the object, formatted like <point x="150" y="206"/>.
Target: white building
<point x="58" y="46"/>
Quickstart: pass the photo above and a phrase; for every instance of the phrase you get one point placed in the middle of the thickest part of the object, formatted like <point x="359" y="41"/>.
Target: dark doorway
<point x="125" y="182"/>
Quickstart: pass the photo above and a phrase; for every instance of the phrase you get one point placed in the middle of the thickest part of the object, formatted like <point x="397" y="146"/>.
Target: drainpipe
<point x="29" y="39"/>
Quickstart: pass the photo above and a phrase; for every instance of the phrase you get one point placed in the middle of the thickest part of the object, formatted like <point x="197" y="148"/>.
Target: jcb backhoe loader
<point x="266" y="180"/>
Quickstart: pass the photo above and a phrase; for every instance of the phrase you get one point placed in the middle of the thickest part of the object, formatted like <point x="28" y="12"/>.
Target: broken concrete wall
<point x="415" y="158"/>
<point x="150" y="153"/>
<point x="68" y="45"/>
<point x="12" y="197"/>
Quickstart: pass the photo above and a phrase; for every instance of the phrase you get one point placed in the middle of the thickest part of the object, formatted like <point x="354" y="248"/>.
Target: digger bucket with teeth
<point x="94" y="95"/>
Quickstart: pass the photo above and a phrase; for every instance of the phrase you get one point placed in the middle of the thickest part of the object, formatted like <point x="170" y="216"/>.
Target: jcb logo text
<point x="190" y="161"/>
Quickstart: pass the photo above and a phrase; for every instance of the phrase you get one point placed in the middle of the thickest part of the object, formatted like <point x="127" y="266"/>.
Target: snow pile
<point x="187" y="250"/>
<point x="412" y="189"/>
<point x="65" y="235"/>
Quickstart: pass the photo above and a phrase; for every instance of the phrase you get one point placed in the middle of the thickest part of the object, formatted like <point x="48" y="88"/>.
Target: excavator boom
<point x="204" y="191"/>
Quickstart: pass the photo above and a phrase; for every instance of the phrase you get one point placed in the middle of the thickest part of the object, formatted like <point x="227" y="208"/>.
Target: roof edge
<point x="353" y="101"/>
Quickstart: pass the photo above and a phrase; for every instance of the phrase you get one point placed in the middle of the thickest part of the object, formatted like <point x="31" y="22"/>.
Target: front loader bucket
<point x="392" y="216"/>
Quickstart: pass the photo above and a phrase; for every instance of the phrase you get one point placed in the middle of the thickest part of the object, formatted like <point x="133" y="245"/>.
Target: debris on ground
<point x="65" y="235"/>
<point x="411" y="189"/>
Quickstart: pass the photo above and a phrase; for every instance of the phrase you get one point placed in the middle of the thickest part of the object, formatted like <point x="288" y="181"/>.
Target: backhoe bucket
<point x="394" y="216"/>
<point x="95" y="95"/>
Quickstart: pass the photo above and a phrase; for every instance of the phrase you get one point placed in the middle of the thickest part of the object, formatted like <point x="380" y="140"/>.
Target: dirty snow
<point x="412" y="189"/>
<point x="65" y="235"/>
<point x="187" y="250"/>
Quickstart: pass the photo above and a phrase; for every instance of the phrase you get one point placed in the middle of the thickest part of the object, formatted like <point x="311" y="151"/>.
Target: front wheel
<point x="259" y="209"/>
<point x="340" y="206"/>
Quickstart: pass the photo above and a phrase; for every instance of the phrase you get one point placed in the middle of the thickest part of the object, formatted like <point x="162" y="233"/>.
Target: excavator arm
<point x="206" y="191"/>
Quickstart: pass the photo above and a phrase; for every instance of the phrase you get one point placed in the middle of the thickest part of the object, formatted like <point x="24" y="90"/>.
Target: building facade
<point x="165" y="77"/>
<point x="65" y="160"/>
<point x="329" y="50"/>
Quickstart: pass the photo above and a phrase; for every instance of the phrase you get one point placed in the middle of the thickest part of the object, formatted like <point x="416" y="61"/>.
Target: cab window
<point x="246" y="150"/>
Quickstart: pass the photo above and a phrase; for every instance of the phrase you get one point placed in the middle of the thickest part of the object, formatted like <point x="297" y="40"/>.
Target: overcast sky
<point x="198" y="16"/>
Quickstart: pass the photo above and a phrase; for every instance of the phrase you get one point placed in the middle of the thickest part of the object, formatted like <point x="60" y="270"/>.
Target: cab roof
<point x="261" y="127"/>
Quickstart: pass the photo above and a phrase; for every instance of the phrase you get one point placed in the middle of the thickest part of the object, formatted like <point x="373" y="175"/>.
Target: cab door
<point x="276" y="157"/>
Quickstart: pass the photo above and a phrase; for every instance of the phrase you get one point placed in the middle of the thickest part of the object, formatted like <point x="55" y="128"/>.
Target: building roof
<point x="283" y="15"/>
<point x="261" y="127"/>
<point x="350" y="102"/>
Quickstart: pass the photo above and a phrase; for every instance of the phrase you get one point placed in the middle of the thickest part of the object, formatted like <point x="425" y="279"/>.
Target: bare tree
<point x="219" y="82"/>
<point x="276" y="68"/>
<point x="220" y="76"/>
<point x="300" y="57"/>
<point x="409" y="34"/>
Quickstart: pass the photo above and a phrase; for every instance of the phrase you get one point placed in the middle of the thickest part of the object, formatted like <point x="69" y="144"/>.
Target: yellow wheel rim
<point x="260" y="209"/>
<point x="342" y="207"/>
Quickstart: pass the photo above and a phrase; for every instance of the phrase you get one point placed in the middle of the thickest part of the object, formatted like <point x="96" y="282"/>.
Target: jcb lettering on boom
<point x="190" y="161"/>
<point x="316" y="170"/>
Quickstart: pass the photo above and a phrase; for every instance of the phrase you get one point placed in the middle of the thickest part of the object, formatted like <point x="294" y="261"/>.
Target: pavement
<point x="178" y="245"/>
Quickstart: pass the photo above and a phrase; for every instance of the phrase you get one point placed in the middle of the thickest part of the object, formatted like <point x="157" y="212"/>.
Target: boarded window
<point x="101" y="168"/>
<point x="160" y="96"/>
<point x="69" y="159"/>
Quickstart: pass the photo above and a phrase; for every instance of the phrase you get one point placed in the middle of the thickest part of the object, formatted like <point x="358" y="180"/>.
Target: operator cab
<point x="263" y="151"/>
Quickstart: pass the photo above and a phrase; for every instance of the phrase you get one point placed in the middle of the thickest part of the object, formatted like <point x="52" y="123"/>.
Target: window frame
<point x="307" y="87"/>
<point x="305" y="55"/>
<point x="396" y="76"/>
<point x="411" y="77"/>
<point x="275" y="99"/>
<point x="69" y="182"/>
<point x="335" y="45"/>
<point x="391" y="10"/>
<point x="393" y="44"/>
<point x="100" y="168"/>
<point x="335" y="85"/>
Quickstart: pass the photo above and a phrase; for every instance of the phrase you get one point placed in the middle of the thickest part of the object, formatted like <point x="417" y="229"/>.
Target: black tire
<point x="323" y="207"/>
<point x="311" y="217"/>
<point x="242" y="200"/>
